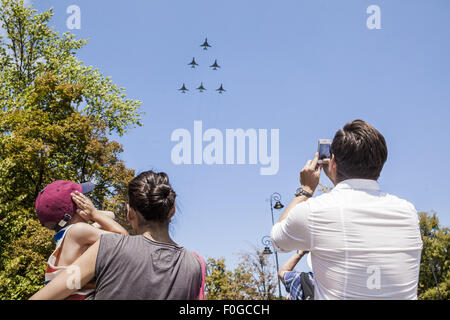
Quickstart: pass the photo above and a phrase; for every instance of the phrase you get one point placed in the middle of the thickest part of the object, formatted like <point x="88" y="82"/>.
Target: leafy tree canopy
<point x="435" y="260"/>
<point x="252" y="279"/>
<point x="32" y="48"/>
<point x="56" y="115"/>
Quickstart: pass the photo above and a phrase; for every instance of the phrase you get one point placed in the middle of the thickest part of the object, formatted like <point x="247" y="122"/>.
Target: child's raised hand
<point x="83" y="214"/>
<point x="85" y="206"/>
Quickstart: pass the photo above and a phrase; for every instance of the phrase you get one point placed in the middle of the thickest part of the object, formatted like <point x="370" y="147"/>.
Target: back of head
<point x="360" y="151"/>
<point x="152" y="196"/>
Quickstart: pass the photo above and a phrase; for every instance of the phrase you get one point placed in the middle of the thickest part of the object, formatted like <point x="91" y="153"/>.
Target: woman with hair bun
<point x="148" y="265"/>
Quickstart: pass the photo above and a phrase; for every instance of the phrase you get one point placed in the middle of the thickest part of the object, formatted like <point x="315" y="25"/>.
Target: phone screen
<point x="324" y="149"/>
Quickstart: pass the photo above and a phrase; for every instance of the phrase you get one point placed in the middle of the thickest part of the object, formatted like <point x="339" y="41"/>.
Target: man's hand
<point x="326" y="166"/>
<point x="85" y="206"/>
<point x="310" y="175"/>
<point x="309" y="180"/>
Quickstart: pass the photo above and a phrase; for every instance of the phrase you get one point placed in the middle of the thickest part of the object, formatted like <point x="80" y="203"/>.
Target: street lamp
<point x="266" y="242"/>
<point x="276" y="197"/>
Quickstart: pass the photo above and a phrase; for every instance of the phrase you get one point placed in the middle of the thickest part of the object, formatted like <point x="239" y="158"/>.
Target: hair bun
<point x="152" y="196"/>
<point x="164" y="190"/>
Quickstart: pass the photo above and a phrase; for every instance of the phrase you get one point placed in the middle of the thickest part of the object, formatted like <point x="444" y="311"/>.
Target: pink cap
<point x="55" y="201"/>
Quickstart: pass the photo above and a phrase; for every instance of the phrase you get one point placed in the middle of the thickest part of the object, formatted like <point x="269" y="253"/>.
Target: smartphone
<point x="324" y="149"/>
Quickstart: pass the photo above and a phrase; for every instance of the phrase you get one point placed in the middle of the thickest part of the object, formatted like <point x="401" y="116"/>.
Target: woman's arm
<point x="71" y="279"/>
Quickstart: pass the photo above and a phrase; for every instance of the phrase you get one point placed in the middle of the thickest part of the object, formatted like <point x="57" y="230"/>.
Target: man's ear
<point x="332" y="170"/>
<point x="333" y="160"/>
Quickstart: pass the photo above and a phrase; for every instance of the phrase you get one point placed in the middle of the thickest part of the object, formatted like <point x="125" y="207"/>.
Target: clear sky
<point x="303" y="67"/>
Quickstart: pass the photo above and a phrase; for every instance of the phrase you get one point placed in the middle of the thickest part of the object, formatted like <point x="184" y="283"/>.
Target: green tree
<point x="32" y="49"/>
<point x="219" y="280"/>
<point x="435" y="260"/>
<point x="252" y="279"/>
<point x="263" y="274"/>
<point x="55" y="119"/>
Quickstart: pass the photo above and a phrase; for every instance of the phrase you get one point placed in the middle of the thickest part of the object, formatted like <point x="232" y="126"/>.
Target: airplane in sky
<point x="201" y="88"/>
<point x="193" y="63"/>
<point x="221" y="89"/>
<point x="183" y="89"/>
<point x="215" y="65"/>
<point x="205" y="45"/>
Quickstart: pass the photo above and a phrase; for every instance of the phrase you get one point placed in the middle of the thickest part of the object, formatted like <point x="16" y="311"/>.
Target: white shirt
<point x="364" y="243"/>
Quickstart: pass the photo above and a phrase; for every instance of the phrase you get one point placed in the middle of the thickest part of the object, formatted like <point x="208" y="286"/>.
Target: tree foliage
<point x="435" y="259"/>
<point x="32" y="48"/>
<point x="263" y="274"/>
<point x="55" y="119"/>
<point x="252" y="279"/>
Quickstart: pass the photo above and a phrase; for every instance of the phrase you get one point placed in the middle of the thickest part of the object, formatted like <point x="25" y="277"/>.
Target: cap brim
<point x="87" y="187"/>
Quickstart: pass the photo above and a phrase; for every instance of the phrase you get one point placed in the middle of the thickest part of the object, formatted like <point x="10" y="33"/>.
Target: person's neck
<point x="353" y="178"/>
<point x="157" y="232"/>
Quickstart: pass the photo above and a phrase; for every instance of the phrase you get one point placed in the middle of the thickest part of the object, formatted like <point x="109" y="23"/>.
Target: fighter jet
<point x="215" y="65"/>
<point x="193" y="63"/>
<point x="205" y="45"/>
<point x="183" y="89"/>
<point x="221" y="89"/>
<point x="201" y="88"/>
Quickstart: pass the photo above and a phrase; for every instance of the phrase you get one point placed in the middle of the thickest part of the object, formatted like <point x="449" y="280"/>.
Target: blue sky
<point x="303" y="67"/>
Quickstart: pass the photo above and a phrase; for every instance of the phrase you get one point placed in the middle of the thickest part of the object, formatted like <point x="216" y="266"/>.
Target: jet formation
<point x="193" y="64"/>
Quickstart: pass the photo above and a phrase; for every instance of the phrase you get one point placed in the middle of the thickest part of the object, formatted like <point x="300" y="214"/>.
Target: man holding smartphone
<point x="364" y="243"/>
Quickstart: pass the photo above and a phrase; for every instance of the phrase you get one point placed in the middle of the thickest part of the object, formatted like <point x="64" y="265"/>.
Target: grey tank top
<point x="137" y="268"/>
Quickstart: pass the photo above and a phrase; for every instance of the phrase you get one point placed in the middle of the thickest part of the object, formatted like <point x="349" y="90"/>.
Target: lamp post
<point x="266" y="242"/>
<point x="276" y="197"/>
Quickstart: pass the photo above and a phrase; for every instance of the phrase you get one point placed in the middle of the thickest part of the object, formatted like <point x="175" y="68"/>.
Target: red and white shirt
<point x="52" y="269"/>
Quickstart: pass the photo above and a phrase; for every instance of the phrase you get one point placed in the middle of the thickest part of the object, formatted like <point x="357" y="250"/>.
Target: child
<point x="63" y="207"/>
<point x="299" y="285"/>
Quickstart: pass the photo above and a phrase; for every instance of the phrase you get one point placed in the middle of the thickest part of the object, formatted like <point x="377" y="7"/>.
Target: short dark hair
<point x="360" y="151"/>
<point x="152" y="196"/>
